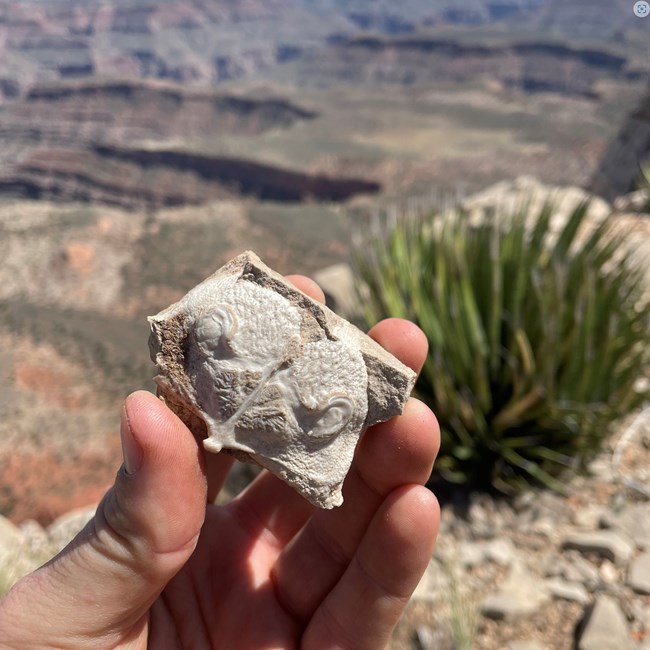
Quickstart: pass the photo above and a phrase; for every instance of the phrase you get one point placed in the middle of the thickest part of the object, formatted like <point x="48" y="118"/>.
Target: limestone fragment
<point x="604" y="627"/>
<point x="257" y="368"/>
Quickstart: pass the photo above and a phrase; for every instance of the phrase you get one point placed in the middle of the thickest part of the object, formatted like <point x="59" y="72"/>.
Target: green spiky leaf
<point x="538" y="335"/>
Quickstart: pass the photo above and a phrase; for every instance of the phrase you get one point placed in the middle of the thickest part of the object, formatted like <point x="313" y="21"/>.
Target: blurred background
<point x="143" y="143"/>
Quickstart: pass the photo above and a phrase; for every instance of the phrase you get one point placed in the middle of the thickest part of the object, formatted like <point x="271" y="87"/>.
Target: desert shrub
<point x="538" y="335"/>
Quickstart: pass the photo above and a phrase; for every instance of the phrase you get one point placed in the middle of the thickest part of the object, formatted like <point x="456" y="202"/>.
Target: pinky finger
<point x="362" y="609"/>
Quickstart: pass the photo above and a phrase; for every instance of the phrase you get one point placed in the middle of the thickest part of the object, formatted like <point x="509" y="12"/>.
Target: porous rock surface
<point x="257" y="368"/>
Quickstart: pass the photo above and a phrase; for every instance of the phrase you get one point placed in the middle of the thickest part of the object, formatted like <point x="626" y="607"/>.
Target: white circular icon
<point x="642" y="9"/>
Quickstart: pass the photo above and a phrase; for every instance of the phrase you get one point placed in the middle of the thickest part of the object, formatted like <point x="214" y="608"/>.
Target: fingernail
<point x="131" y="450"/>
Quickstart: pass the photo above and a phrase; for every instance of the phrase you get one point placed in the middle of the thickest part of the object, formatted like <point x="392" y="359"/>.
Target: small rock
<point x="12" y="544"/>
<point x="572" y="591"/>
<point x="640" y="613"/>
<point x="633" y="202"/>
<point x="588" y="517"/>
<point x="471" y="554"/>
<point x="36" y="539"/>
<point x="633" y="521"/>
<point x="429" y="639"/>
<point x="502" y="551"/>
<point x="579" y="569"/>
<point x="604" y="627"/>
<point x="645" y="439"/>
<point x="543" y="526"/>
<point x="638" y="578"/>
<point x="618" y="500"/>
<point x="552" y="507"/>
<point x="521" y="595"/>
<point x="425" y="637"/>
<point x="431" y="584"/>
<point x="526" y="645"/>
<point x="523" y="501"/>
<point x="15" y="560"/>
<point x="338" y="284"/>
<point x="481" y="523"/>
<point x="601" y="468"/>
<point x="10" y="535"/>
<point x="605" y="543"/>
<point x="609" y="573"/>
<point x="555" y="566"/>
<point x="63" y="529"/>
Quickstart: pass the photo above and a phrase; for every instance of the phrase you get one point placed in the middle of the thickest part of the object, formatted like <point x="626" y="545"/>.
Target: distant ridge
<point x="620" y="167"/>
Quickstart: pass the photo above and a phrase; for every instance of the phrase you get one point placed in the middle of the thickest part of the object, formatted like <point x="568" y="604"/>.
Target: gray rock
<point x="638" y="577"/>
<point x="36" y="538"/>
<point x="551" y="507"/>
<point x="588" y="517"/>
<point x="257" y="368"/>
<point x="601" y="468"/>
<point x="506" y="197"/>
<point x="432" y="583"/>
<point x="605" y="543"/>
<point x="337" y="282"/>
<point x="471" y="554"/>
<point x="543" y="526"/>
<point x="12" y="543"/>
<point x="430" y="639"/>
<point x="521" y="595"/>
<point x="487" y="518"/>
<point x="609" y="573"/>
<point x="633" y="202"/>
<point x="640" y="613"/>
<point x="584" y="572"/>
<point x="574" y="569"/>
<point x="502" y="551"/>
<point x="633" y="521"/>
<point x="15" y="559"/>
<point x="10" y="535"/>
<point x="523" y="502"/>
<point x="481" y="524"/>
<point x="65" y="527"/>
<point x="424" y="636"/>
<point x="572" y="591"/>
<point x="604" y="627"/>
<point x="645" y="439"/>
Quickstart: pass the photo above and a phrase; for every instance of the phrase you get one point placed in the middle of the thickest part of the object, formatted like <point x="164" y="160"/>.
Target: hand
<point x="158" y="568"/>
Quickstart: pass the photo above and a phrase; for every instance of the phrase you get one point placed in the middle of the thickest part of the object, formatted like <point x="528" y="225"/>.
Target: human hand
<point x="158" y="568"/>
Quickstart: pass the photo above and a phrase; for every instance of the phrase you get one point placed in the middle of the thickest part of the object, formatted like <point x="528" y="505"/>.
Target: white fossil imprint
<point x="257" y="368"/>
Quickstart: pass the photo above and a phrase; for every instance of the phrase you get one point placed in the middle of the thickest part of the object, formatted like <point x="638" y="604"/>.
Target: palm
<point x="224" y="597"/>
<point x="268" y="570"/>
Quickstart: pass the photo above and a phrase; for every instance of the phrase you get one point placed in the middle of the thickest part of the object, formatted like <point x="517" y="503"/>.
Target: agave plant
<point x="537" y="335"/>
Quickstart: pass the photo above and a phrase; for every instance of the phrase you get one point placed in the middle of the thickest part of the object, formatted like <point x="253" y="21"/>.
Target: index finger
<point x="308" y="286"/>
<point x="403" y="339"/>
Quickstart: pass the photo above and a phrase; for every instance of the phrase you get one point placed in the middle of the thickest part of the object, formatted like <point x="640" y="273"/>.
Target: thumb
<point x="145" y="529"/>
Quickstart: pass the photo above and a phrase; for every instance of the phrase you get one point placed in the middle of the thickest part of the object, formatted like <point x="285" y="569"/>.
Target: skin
<point x="158" y="568"/>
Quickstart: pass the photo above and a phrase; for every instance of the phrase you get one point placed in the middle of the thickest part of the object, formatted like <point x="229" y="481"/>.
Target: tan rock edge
<point x="255" y="367"/>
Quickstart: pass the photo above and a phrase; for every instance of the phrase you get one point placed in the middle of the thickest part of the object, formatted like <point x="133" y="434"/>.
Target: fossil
<point x="258" y="369"/>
